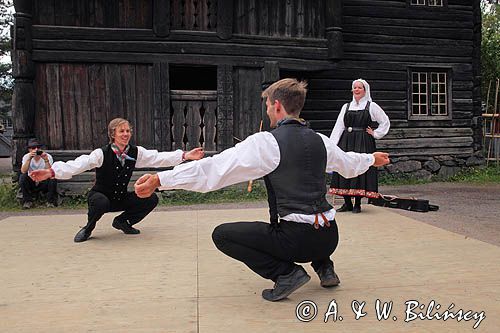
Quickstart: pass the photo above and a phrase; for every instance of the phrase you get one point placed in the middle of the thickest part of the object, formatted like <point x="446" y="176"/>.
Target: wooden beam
<point x="224" y="19"/>
<point x="224" y="107"/>
<point x="23" y="71"/>
<point x="270" y="74"/>
<point x="199" y="59"/>
<point x="161" y="18"/>
<point x="333" y="33"/>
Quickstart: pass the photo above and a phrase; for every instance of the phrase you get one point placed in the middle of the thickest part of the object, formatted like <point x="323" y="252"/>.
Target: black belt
<point x="355" y="129"/>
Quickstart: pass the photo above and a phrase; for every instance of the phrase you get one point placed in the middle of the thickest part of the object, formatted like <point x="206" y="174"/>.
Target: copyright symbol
<point x="306" y="311"/>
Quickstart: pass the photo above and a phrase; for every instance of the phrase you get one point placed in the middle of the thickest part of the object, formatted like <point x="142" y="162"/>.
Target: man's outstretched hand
<point x="381" y="159"/>
<point x="146" y="185"/>
<point x="40" y="175"/>
<point x="194" y="154"/>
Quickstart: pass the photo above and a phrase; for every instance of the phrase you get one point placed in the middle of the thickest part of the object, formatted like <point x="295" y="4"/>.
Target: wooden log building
<point x="190" y="72"/>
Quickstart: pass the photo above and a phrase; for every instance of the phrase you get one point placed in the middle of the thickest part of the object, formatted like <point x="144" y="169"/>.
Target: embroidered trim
<point x="353" y="192"/>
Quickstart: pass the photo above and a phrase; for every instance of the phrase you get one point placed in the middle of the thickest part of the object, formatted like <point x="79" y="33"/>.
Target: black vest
<point x="112" y="178"/>
<point x="298" y="184"/>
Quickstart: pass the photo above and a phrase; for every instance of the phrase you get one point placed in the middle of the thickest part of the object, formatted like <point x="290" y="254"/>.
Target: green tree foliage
<point x="490" y="44"/>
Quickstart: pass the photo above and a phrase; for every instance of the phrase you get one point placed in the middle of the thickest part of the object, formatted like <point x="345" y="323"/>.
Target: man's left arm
<point x="155" y="159"/>
<point x="351" y="164"/>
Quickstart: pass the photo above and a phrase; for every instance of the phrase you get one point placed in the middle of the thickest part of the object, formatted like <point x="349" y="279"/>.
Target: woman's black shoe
<point x="356" y="209"/>
<point x="344" y="208"/>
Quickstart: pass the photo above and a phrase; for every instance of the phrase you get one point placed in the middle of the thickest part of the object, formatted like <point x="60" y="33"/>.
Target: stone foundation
<point x="424" y="167"/>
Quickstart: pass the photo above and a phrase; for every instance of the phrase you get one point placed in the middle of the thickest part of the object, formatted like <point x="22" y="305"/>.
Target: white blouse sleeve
<point x="348" y="164"/>
<point x="254" y="157"/>
<point x="66" y="170"/>
<point x="154" y="159"/>
<point x="378" y="115"/>
<point x="339" y="127"/>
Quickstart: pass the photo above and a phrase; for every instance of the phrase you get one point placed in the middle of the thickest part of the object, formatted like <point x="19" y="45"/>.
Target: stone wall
<point x="422" y="167"/>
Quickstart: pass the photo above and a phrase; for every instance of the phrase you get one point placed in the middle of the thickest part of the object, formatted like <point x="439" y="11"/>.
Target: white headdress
<point x="367" y="96"/>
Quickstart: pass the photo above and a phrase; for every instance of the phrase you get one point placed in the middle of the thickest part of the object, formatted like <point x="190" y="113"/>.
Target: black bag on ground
<point x="415" y="205"/>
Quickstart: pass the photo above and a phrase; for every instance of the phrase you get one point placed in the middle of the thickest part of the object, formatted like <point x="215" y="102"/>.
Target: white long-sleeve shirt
<point x="376" y="113"/>
<point x="255" y="157"/>
<point x="145" y="159"/>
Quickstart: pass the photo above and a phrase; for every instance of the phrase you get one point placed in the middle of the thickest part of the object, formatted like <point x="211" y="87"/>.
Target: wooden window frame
<point x="428" y="93"/>
<point x="426" y="4"/>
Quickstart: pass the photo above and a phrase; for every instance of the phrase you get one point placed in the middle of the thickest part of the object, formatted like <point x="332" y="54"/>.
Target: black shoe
<point x="356" y="209"/>
<point x="344" y="208"/>
<point x="125" y="227"/>
<point x="82" y="235"/>
<point x="327" y="276"/>
<point x="286" y="284"/>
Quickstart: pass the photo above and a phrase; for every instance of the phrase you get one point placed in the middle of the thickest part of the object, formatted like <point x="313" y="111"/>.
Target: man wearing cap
<point x="114" y="164"/>
<point x="36" y="159"/>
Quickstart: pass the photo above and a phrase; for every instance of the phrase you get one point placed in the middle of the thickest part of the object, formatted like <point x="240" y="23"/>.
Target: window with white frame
<point x="6" y="122"/>
<point x="430" y="3"/>
<point x="429" y="94"/>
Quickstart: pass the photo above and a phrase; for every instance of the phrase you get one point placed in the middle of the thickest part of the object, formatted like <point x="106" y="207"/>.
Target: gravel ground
<point x="471" y="210"/>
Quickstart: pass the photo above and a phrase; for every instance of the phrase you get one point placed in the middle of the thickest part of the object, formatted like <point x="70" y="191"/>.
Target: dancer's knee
<point x="219" y="236"/>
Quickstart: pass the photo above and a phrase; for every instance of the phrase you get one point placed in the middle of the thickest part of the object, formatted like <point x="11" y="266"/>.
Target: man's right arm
<point x="26" y="163"/>
<point x="66" y="170"/>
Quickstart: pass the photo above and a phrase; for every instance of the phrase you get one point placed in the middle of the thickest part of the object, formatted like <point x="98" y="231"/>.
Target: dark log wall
<point x="290" y="18"/>
<point x="380" y="43"/>
<point x="75" y="102"/>
<point x="94" y="13"/>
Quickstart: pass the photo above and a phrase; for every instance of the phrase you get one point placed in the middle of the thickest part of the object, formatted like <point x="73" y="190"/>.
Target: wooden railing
<point x="194" y="119"/>
<point x="198" y="15"/>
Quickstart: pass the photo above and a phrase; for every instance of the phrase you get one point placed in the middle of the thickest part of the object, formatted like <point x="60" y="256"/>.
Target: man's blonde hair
<point x="113" y="125"/>
<point x="291" y="93"/>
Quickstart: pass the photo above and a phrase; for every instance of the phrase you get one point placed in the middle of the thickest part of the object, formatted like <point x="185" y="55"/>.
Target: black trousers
<point x="29" y="187"/>
<point x="134" y="208"/>
<point x="271" y="250"/>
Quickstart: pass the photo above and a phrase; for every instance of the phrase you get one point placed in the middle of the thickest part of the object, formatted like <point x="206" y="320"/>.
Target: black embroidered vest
<point x="112" y="178"/>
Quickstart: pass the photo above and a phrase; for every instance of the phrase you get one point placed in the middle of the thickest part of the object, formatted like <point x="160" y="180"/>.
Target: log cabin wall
<point x="85" y="62"/>
<point x="284" y="18"/>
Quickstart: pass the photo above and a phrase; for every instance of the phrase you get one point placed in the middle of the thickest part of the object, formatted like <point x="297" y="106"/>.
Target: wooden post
<point x="161" y="107"/>
<point x="224" y="107"/>
<point x="161" y="18"/>
<point x="23" y="71"/>
<point x="270" y="74"/>
<point x="477" y="123"/>
<point x="224" y="19"/>
<point x="333" y="33"/>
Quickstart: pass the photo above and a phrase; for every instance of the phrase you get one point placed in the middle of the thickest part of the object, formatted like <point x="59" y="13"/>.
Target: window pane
<point x="438" y="94"/>
<point x="419" y="95"/>
<point x="438" y="3"/>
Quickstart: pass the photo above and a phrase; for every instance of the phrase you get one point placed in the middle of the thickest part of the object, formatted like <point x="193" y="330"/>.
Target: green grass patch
<point x="236" y="193"/>
<point x="480" y="175"/>
<point x="8" y="199"/>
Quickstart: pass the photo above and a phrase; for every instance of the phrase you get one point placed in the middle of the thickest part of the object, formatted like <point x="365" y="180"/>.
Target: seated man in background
<point x="36" y="159"/>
